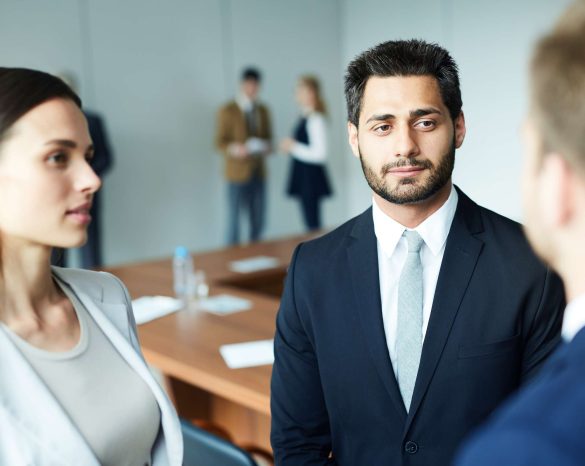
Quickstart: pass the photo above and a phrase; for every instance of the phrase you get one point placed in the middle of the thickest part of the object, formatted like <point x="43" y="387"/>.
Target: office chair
<point x="205" y="449"/>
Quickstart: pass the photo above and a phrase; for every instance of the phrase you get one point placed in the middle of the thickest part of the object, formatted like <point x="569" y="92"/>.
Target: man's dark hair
<point x="402" y="58"/>
<point x="251" y="74"/>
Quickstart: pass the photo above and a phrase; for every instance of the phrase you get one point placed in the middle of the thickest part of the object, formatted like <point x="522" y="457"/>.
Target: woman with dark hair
<point x="74" y="388"/>
<point x="308" y="148"/>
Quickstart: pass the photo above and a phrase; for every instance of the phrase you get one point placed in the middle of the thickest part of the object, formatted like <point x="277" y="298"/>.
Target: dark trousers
<point x="311" y="209"/>
<point x="246" y="197"/>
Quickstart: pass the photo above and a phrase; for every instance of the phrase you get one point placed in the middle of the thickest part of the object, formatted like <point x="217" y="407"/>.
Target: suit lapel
<point x="461" y="254"/>
<point x="362" y="255"/>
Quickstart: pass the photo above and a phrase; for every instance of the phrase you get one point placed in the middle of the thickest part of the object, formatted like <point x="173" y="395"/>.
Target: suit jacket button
<point x="410" y="447"/>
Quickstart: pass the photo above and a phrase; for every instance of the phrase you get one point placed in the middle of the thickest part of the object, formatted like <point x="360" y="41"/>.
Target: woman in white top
<point x="74" y="389"/>
<point x="308" y="180"/>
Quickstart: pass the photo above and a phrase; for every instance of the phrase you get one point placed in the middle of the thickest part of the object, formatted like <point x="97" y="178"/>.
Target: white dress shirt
<point x="254" y="145"/>
<point x="574" y="319"/>
<point x="392" y="251"/>
<point x="316" y="150"/>
<point x="244" y="102"/>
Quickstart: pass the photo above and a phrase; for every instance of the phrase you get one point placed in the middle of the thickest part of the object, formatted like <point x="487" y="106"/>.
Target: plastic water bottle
<point x="183" y="275"/>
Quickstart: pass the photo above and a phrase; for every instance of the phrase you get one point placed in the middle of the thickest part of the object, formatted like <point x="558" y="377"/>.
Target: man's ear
<point x="352" y="133"/>
<point x="557" y="189"/>
<point x="460" y="129"/>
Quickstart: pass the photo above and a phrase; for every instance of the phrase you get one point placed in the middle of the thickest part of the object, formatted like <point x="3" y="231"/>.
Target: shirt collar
<point x="244" y="103"/>
<point x="574" y="319"/>
<point x="434" y="230"/>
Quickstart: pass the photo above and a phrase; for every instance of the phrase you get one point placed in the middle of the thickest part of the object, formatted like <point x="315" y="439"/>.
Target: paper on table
<point x="149" y="308"/>
<point x="253" y="264"/>
<point x="253" y="353"/>
<point x="224" y="304"/>
<point x="256" y="145"/>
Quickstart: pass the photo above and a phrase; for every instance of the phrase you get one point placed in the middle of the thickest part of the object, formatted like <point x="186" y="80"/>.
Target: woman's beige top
<point x="110" y="404"/>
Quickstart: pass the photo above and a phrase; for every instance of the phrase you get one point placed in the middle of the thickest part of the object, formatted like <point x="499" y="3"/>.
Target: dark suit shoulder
<point x="493" y="220"/>
<point x="334" y="242"/>
<point x="504" y="241"/>
<point x="506" y="238"/>
<point x="479" y="219"/>
<point x="543" y="423"/>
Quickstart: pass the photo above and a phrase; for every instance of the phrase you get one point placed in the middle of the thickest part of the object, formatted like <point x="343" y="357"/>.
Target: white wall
<point x="491" y="42"/>
<point x="29" y="36"/>
<point x="158" y="71"/>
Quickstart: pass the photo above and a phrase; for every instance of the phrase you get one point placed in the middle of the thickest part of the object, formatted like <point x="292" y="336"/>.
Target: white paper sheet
<point x="148" y="308"/>
<point x="253" y="353"/>
<point x="224" y="304"/>
<point x="256" y="145"/>
<point x="253" y="264"/>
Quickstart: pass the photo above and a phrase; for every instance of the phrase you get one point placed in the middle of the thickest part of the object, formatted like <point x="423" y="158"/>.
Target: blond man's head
<point x="558" y="87"/>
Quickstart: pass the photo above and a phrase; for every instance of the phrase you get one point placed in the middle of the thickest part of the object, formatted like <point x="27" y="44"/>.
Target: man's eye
<point x="426" y="124"/>
<point x="382" y="129"/>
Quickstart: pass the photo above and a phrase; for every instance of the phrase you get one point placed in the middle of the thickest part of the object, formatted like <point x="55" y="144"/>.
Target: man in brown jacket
<point x="243" y="137"/>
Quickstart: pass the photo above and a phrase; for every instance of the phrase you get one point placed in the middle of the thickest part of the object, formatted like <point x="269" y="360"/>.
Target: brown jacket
<point x="231" y="127"/>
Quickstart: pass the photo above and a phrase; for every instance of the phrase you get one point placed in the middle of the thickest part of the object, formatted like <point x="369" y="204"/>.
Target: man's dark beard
<point x="440" y="176"/>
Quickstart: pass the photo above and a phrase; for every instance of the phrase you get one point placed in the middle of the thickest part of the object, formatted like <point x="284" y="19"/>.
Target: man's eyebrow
<point x="382" y="117"/>
<point x="419" y="112"/>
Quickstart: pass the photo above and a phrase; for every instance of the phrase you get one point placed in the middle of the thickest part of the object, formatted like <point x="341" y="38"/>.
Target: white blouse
<point x="316" y="150"/>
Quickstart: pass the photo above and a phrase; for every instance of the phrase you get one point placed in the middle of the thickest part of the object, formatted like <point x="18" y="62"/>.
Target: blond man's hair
<point x="558" y="87"/>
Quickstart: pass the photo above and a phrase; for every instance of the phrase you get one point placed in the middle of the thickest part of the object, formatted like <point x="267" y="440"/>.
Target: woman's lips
<point x="80" y="215"/>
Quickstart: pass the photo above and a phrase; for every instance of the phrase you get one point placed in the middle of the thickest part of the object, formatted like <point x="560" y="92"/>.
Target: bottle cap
<point x="181" y="251"/>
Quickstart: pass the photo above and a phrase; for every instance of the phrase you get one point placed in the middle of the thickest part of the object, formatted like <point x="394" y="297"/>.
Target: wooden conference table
<point x="184" y="345"/>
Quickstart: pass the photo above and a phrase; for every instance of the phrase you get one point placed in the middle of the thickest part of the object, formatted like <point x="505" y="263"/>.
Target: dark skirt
<point x="308" y="180"/>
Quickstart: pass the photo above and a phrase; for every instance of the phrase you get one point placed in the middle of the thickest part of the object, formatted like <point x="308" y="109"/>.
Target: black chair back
<point x="205" y="449"/>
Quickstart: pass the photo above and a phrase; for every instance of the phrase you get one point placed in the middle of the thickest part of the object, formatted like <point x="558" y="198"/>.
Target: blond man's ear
<point x="556" y="190"/>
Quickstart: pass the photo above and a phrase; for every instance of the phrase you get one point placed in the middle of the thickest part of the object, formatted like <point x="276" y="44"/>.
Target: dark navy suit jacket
<point x="496" y="317"/>
<point x="543" y="425"/>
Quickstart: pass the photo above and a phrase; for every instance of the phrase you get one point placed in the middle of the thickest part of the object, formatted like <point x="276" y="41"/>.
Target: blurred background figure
<point x="308" y="180"/>
<point x="243" y="136"/>
<point x="91" y="251"/>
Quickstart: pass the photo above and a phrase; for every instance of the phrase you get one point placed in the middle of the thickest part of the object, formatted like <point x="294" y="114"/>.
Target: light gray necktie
<point x="251" y="120"/>
<point x="410" y="318"/>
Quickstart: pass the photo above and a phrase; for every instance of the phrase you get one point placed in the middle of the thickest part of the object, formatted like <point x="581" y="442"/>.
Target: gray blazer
<point x="34" y="428"/>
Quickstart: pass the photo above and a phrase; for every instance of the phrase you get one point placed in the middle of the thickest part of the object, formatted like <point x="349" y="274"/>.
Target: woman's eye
<point x="59" y="158"/>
